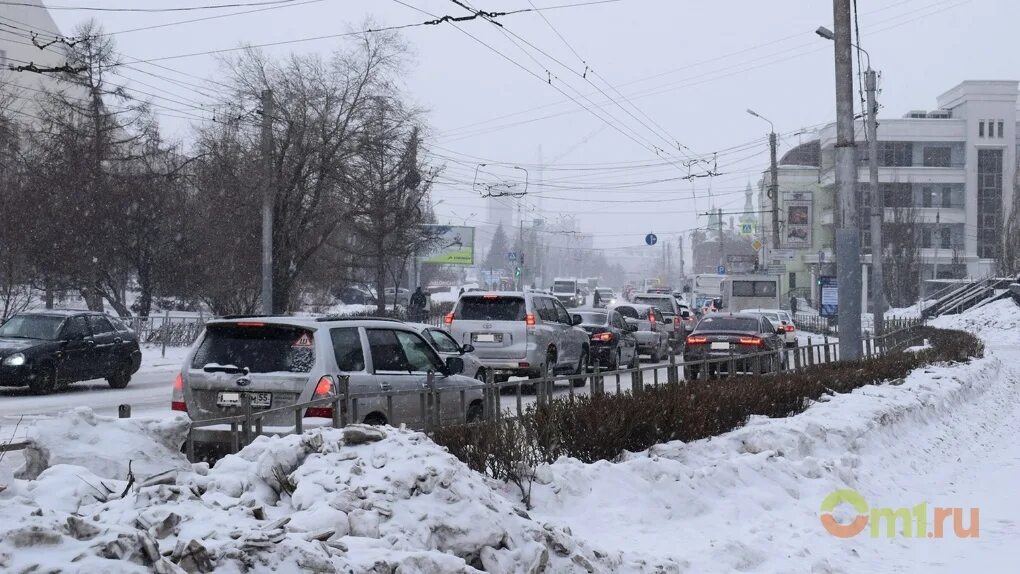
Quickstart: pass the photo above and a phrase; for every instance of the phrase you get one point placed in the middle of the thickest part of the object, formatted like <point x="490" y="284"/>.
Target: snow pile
<point x="749" y="500"/>
<point x="996" y="322"/>
<point x="104" y="445"/>
<point x="358" y="499"/>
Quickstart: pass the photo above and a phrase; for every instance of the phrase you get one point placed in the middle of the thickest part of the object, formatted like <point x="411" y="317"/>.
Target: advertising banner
<point x="453" y="245"/>
<point x="797" y="207"/>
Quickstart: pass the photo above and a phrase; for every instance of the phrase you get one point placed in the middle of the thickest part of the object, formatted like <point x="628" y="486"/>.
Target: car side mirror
<point x="576" y="320"/>
<point x="454" y="365"/>
<point x="467" y="349"/>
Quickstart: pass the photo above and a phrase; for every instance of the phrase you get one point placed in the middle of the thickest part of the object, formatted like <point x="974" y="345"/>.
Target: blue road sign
<point x="651" y="239"/>
<point x="829" y="300"/>
<point x="720" y="270"/>
<point x="511" y="255"/>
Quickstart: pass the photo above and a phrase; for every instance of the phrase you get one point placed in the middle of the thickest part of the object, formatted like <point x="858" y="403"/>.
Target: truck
<point x="750" y="292"/>
<point x="566" y="290"/>
<point x="705" y="289"/>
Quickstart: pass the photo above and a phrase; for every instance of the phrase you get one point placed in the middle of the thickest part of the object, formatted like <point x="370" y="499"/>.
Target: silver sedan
<point x="447" y="346"/>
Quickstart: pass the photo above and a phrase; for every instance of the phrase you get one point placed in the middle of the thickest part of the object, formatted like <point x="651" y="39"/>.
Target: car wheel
<point x="480" y="375"/>
<point x="617" y="361"/>
<point x="44" y="381"/>
<point x="475" y="412"/>
<point x="582" y="369"/>
<point x="121" y="377"/>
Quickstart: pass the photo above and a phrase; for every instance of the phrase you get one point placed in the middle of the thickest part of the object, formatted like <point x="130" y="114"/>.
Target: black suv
<point x="47" y="349"/>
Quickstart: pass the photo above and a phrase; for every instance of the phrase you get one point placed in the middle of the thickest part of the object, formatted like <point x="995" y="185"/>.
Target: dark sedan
<point x="45" y="350"/>
<point x="613" y="343"/>
<point x="724" y="335"/>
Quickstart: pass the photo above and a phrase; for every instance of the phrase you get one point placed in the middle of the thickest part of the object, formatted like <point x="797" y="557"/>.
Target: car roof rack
<point x="329" y="318"/>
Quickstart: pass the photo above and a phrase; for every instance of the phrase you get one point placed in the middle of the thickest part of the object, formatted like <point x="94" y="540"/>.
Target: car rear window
<point x="630" y="313"/>
<point x="593" y="318"/>
<point x="663" y="304"/>
<point x="259" y="348"/>
<point x="491" y="308"/>
<point x="711" y="323"/>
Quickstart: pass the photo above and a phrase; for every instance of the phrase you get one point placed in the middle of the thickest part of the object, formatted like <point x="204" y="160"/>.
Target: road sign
<point x="511" y="256"/>
<point x="829" y="297"/>
<point x="651" y="239"/>
<point x="720" y="270"/>
<point x="757" y="244"/>
<point x="776" y="269"/>
<point x="747" y="229"/>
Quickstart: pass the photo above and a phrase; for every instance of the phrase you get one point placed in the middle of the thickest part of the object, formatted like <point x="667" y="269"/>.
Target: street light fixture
<point x="774" y="177"/>
<point x="828" y="35"/>
<point x="757" y="115"/>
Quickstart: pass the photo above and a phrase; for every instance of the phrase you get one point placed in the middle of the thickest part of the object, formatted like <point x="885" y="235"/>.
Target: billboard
<point x="798" y="208"/>
<point x="452" y="245"/>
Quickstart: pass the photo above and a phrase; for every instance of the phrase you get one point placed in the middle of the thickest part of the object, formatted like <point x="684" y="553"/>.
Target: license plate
<point x="488" y="338"/>
<point x="233" y="399"/>
<point x="720" y="346"/>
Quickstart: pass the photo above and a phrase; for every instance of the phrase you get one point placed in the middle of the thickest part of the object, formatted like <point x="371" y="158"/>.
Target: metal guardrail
<point x="244" y="427"/>
<point x="822" y="325"/>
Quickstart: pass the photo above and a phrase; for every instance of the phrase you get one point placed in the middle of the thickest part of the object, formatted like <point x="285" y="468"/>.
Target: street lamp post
<point x="773" y="192"/>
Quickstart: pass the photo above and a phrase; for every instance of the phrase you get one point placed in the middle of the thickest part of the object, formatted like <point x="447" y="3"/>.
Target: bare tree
<point x="902" y="237"/>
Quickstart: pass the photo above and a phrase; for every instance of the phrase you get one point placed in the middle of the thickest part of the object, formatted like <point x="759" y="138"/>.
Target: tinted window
<point x="117" y="324"/>
<point x="75" y="327"/>
<point x="546" y="309"/>
<point x="754" y="289"/>
<point x="442" y="341"/>
<point x="386" y="352"/>
<point x="561" y="313"/>
<point x="564" y="287"/>
<point x="260" y="348"/>
<point x="420" y="356"/>
<point x="99" y="325"/>
<point x="490" y="309"/>
<point x="593" y="318"/>
<point x="663" y="304"/>
<point x="627" y="312"/>
<point x="350" y="356"/>
<point x="712" y="323"/>
<point x="31" y="327"/>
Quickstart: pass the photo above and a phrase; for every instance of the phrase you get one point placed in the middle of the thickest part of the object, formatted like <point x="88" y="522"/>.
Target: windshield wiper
<point x="231" y="369"/>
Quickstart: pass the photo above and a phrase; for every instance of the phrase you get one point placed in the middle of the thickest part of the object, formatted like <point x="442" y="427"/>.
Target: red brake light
<point x="323" y="389"/>
<point x="790" y="328"/>
<point x="603" y="337"/>
<point x="651" y="318"/>
<point x="530" y="319"/>
<point x="753" y="341"/>
<point x="696" y="340"/>
<point x="490" y="297"/>
<point x="177" y="399"/>
<point x="250" y="324"/>
<point x="448" y="319"/>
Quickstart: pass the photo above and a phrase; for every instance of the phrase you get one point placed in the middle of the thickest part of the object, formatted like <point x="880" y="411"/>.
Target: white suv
<point x="520" y="334"/>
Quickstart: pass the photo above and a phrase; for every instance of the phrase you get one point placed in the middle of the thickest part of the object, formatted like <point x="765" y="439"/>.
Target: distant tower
<point x="748" y="216"/>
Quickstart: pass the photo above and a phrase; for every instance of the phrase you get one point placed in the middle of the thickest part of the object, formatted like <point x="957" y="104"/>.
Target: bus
<point x="705" y="289"/>
<point x="749" y="292"/>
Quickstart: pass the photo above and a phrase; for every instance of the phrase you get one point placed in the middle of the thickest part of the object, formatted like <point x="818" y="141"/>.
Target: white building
<point x="17" y="49"/>
<point x="954" y="169"/>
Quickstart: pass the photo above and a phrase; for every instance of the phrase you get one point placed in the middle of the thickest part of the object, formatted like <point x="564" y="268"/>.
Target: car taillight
<point x="177" y="399"/>
<point x="790" y="328"/>
<point x="602" y="337"/>
<point x="753" y="341"/>
<point x="651" y="319"/>
<point x="529" y="319"/>
<point x="695" y="340"/>
<point x="250" y="324"/>
<point x="323" y="389"/>
<point x="448" y="319"/>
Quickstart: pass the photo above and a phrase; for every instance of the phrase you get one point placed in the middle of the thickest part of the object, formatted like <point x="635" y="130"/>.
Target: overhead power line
<point x="162" y="9"/>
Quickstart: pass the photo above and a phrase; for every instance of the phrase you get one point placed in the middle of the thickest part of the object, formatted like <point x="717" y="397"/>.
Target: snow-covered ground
<point x="749" y="500"/>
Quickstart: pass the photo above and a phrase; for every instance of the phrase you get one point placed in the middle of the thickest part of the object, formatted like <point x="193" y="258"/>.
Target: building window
<point x="897" y="194"/>
<point x="926" y="196"/>
<point x="981" y="129"/>
<point x="1001" y="125"/>
<point x="945" y="237"/>
<point x="895" y="154"/>
<point x="926" y="237"/>
<point x="793" y="280"/>
<point x="989" y="202"/>
<point x="937" y="157"/>
<point x="947" y="197"/>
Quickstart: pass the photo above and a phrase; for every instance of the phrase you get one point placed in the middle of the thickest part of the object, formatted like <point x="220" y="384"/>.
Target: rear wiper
<point x="231" y="369"/>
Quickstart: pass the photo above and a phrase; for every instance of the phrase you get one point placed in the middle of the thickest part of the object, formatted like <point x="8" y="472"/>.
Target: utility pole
<point x="774" y="189"/>
<point x="877" y="207"/>
<point x="848" y="235"/>
<point x="268" y="192"/>
<point x="722" y="245"/>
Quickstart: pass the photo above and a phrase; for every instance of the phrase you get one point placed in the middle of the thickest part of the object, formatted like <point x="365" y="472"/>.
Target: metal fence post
<point x="124" y="411"/>
<point x="671" y="373"/>
<point x="797" y="359"/>
<point x="596" y="386"/>
<point x="825" y="342"/>
<point x="166" y="330"/>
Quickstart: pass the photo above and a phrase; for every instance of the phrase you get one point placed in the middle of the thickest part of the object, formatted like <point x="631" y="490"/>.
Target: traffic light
<point x="517" y="272"/>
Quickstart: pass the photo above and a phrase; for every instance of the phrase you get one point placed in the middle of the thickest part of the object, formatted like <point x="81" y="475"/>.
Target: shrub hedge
<point x="601" y="427"/>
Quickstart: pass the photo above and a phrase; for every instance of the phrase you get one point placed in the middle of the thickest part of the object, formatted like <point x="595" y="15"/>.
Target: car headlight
<point x="15" y="360"/>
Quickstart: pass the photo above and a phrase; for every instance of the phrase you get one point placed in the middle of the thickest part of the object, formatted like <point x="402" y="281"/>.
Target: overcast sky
<point x="689" y="68"/>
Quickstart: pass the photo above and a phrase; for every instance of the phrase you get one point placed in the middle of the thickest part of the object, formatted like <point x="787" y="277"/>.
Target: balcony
<point x="912" y="174"/>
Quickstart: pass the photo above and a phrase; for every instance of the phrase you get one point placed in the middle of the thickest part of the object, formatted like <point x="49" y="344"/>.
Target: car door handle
<point x="385" y="386"/>
<point x="118" y="340"/>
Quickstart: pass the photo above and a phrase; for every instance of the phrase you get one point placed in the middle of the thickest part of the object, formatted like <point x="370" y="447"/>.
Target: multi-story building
<point x="947" y="177"/>
<point x="17" y="49"/>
